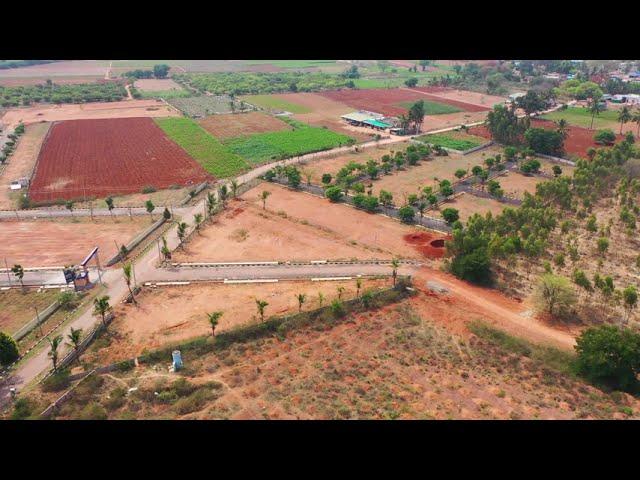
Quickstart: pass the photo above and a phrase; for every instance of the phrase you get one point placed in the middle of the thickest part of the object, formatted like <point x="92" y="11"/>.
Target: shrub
<point x="337" y="309"/>
<point x="193" y="402"/>
<point x="93" y="411"/>
<point x="450" y="215"/>
<point x="554" y="294"/>
<point x="68" y="300"/>
<point x="56" y="382"/>
<point x="609" y="355"/>
<point x="148" y="189"/>
<point x="326" y="178"/>
<point x="8" y="349"/>
<point x="549" y="142"/>
<point x="334" y="194"/>
<point x="605" y="137"/>
<point x="406" y="214"/>
<point x="23" y="408"/>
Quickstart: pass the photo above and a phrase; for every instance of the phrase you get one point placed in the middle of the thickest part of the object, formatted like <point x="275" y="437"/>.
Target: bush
<point x="554" y="294"/>
<point x="474" y="266"/>
<point x="337" y="309"/>
<point x="8" y="349"/>
<point x="334" y="194"/>
<point x="326" y="178"/>
<point x="450" y="215"/>
<point x="609" y="355"/>
<point x="605" y="137"/>
<point x="549" y="142"/>
<point x="93" y="411"/>
<point x="148" y="189"/>
<point x="23" y="408"/>
<point x="406" y="214"/>
<point x="193" y="402"/>
<point x="56" y="382"/>
<point x="68" y="300"/>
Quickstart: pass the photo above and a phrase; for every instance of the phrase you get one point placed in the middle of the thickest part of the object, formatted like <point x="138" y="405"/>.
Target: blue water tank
<point x="177" y="360"/>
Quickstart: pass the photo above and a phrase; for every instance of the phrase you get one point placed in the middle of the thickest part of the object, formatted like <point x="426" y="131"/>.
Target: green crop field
<point x="273" y="103"/>
<point x="166" y="94"/>
<point x="454" y="140"/>
<point x="433" y="108"/>
<point x="287" y="143"/>
<point x="581" y="117"/>
<point x="214" y="157"/>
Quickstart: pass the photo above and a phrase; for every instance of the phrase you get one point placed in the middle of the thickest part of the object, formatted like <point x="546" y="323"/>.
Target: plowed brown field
<point x="97" y="158"/>
<point x="240" y="124"/>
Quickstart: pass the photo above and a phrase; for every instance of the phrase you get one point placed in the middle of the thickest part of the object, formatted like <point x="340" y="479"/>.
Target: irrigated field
<point x="96" y="158"/>
<point x="214" y="157"/>
<point x="302" y="139"/>
<point x="581" y="117"/>
<point x="201" y="106"/>
<point x="59" y="242"/>
<point x="242" y="124"/>
<point x="455" y="140"/>
<point x="276" y="103"/>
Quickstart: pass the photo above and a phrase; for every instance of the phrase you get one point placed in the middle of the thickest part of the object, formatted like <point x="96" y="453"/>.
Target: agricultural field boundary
<point x="290" y="263"/>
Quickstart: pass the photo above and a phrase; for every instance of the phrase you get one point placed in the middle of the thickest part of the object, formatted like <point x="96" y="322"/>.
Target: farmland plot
<point x="241" y="124"/>
<point x="96" y="158"/>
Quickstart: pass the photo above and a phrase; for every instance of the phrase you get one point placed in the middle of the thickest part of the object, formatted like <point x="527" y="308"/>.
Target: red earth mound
<point x="429" y="245"/>
<point x="118" y="156"/>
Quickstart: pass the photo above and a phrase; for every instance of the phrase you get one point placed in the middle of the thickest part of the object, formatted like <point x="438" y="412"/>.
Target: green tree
<point x="554" y="294"/>
<point x="197" y="220"/>
<point x="411" y="82"/>
<point x="150" y="208"/>
<point x="166" y="214"/>
<point x="182" y="231"/>
<point x="8" y="350"/>
<point x="461" y="172"/>
<point x="18" y="271"/>
<point x="54" y="343"/>
<point x="386" y="198"/>
<point x="630" y="298"/>
<point x="214" y="318"/>
<point x="450" y="215"/>
<point x="624" y="116"/>
<point x="605" y="137"/>
<point x="406" y="214"/>
<point x="69" y="206"/>
<point x="166" y="253"/>
<point x="161" y="70"/>
<point x="609" y="355"/>
<point x="334" y="194"/>
<point x="395" y="264"/>
<point x="110" y="206"/>
<point x="263" y="196"/>
<point x="127" y="271"/>
<point x="75" y="339"/>
<point x="101" y="307"/>
<point x="595" y="107"/>
<point x="261" y="305"/>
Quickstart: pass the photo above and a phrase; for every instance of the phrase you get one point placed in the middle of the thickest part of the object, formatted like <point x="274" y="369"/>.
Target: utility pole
<point x="7" y="267"/>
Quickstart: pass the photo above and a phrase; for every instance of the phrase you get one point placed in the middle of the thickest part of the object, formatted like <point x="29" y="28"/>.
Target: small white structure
<point x="515" y="96"/>
<point x="19" y="184"/>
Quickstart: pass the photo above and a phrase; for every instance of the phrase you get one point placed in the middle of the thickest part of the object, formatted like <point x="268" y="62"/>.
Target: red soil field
<point x="97" y="158"/>
<point x="387" y="101"/>
<point x="429" y="245"/>
<point x="240" y="124"/>
<point x="577" y="143"/>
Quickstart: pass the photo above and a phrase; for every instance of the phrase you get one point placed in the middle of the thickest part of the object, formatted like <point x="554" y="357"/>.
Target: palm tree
<point x="594" y="108"/>
<point x="422" y="206"/>
<point x="197" y="219"/>
<point x="394" y="272"/>
<point x="222" y="194"/>
<point x="53" y="352"/>
<point x="127" y="270"/>
<point x="636" y="119"/>
<point x="320" y="299"/>
<point x="75" y="337"/>
<point x="18" y="271"/>
<point x="211" y="204"/>
<point x="261" y="304"/>
<point x="624" y="116"/>
<point x="69" y="206"/>
<point x="301" y="299"/>
<point x="234" y="187"/>
<point x="563" y="128"/>
<point x="340" y="292"/>
<point x="101" y="307"/>
<point x="214" y="318"/>
<point x="182" y="231"/>
<point x="265" y="194"/>
<point x="358" y="287"/>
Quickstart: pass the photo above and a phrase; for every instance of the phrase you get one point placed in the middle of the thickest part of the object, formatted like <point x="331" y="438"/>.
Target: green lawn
<point x="166" y="94"/>
<point x="581" y="117"/>
<point x="433" y="108"/>
<point x="273" y="103"/>
<point x="287" y="143"/>
<point x="214" y="157"/>
<point x="455" y="140"/>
